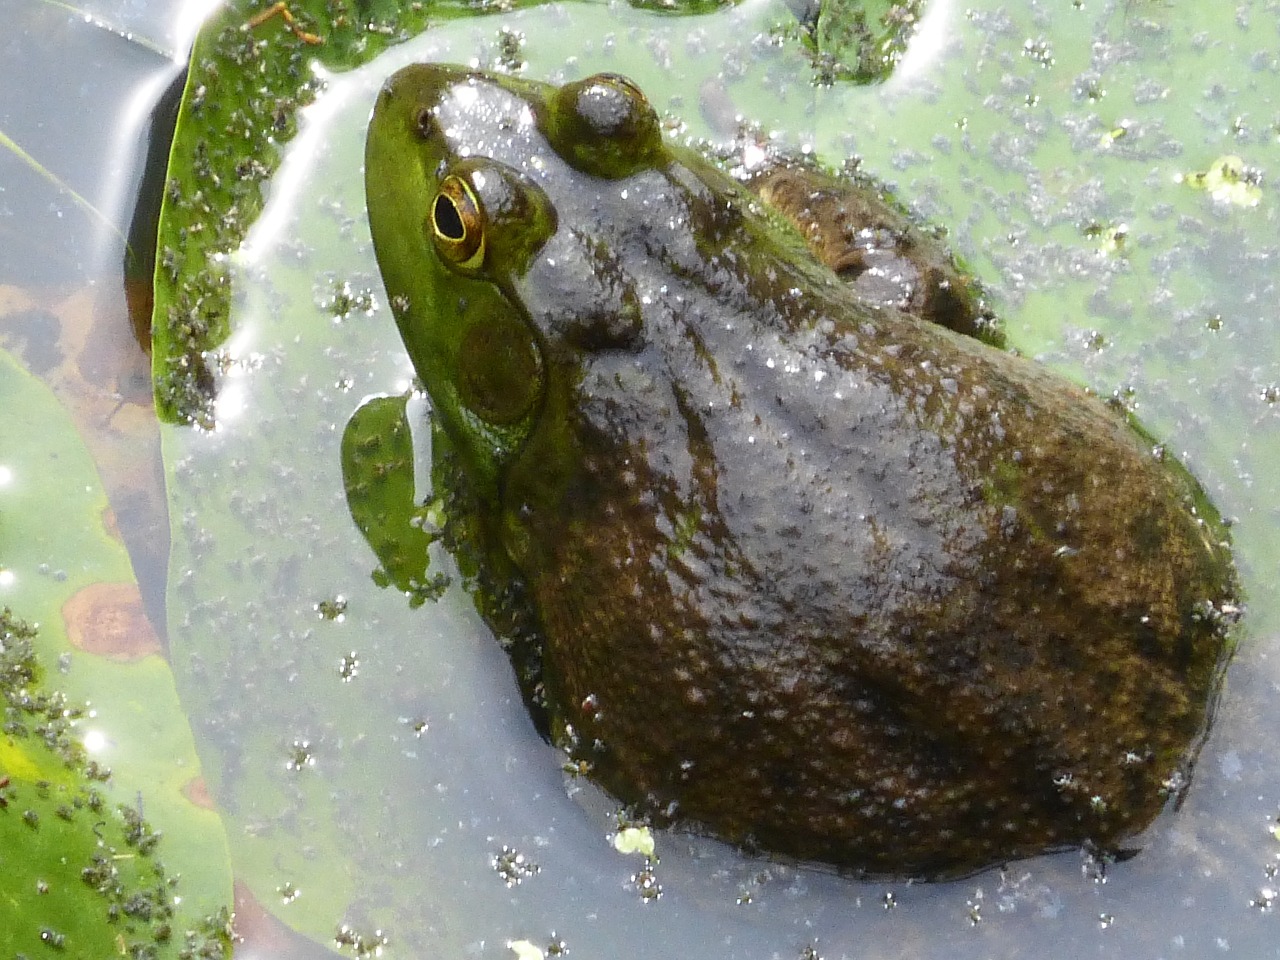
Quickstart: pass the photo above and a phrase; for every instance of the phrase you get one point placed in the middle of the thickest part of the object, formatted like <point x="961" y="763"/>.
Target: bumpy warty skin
<point x="815" y="575"/>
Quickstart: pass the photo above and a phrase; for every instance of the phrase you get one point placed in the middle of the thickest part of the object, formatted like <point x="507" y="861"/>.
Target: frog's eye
<point x="605" y="126"/>
<point x="457" y="224"/>
<point x="487" y="218"/>
<point x="619" y="85"/>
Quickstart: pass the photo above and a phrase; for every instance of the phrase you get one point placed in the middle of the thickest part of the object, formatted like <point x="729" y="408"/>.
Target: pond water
<point x="374" y="763"/>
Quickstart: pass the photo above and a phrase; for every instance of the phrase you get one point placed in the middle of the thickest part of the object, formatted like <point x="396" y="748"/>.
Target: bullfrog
<point x="805" y="569"/>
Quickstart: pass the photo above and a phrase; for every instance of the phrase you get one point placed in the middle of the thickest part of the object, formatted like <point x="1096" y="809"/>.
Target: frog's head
<point x="483" y="198"/>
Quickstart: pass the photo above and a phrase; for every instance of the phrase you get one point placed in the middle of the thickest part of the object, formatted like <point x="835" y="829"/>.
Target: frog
<point x="801" y="567"/>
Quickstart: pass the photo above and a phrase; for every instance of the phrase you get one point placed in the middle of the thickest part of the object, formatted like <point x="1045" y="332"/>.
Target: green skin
<point x="808" y="573"/>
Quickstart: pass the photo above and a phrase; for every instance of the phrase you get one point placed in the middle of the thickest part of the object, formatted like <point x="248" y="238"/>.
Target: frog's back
<point x="890" y="598"/>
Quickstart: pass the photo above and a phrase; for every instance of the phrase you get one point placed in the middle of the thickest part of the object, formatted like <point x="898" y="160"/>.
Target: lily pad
<point x="107" y="843"/>
<point x="860" y="40"/>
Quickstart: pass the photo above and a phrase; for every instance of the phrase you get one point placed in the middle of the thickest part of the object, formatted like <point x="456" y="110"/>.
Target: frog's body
<point x="808" y="573"/>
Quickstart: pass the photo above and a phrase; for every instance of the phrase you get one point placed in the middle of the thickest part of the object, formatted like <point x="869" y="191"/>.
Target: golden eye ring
<point x="457" y="224"/>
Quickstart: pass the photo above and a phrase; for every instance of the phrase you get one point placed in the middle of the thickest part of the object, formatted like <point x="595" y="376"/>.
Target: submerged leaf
<point x="86" y="793"/>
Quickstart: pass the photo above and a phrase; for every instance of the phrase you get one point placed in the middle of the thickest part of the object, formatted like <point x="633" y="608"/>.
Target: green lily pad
<point x="107" y="843"/>
<point x="862" y="40"/>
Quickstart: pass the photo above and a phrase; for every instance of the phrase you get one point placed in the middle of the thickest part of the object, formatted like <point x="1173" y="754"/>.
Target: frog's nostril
<point x="425" y="122"/>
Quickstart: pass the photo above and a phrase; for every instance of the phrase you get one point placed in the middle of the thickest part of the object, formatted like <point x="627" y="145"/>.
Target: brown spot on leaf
<point x="107" y="619"/>
<point x="197" y="791"/>
<point x="260" y="934"/>
<point x="110" y="524"/>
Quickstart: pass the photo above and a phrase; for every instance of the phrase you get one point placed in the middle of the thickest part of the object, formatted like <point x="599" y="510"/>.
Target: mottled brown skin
<point x="808" y="573"/>
<point x="854" y="228"/>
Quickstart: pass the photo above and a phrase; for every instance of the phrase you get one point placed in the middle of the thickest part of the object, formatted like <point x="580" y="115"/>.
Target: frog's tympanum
<point x="807" y="571"/>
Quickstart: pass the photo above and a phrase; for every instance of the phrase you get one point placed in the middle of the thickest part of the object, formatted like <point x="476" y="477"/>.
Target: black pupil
<point x="448" y="223"/>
